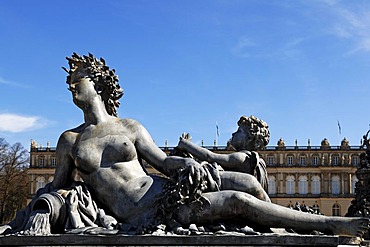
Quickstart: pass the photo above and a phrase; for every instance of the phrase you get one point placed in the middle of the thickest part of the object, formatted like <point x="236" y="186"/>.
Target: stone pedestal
<point x="193" y="240"/>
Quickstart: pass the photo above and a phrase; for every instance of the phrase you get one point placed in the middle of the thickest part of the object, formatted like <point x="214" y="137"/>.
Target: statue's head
<point x="105" y="80"/>
<point x="252" y="134"/>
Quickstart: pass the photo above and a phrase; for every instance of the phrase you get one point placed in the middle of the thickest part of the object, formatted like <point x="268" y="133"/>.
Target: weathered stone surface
<point x="210" y="240"/>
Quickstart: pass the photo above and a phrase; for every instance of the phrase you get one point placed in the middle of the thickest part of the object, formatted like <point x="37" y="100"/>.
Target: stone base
<point x="175" y="240"/>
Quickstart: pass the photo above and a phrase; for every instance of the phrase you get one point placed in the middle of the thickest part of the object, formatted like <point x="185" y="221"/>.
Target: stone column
<point x="342" y="183"/>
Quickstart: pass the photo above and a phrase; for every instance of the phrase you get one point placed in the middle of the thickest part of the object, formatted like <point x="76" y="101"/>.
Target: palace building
<point x="320" y="177"/>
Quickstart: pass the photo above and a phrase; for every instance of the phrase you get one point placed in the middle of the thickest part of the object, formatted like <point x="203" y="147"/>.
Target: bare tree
<point x="14" y="161"/>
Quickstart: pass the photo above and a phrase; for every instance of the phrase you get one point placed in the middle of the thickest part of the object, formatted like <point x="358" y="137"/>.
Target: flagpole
<point x="217" y="133"/>
<point x="338" y="139"/>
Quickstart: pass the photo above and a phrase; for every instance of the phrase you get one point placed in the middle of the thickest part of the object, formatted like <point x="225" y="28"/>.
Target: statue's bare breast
<point x="102" y="147"/>
<point x="107" y="160"/>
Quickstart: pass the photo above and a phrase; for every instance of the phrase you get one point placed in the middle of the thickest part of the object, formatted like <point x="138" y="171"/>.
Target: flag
<point x="218" y="133"/>
<point x="339" y="128"/>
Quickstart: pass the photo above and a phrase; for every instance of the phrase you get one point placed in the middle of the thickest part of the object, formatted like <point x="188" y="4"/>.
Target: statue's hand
<point x="186" y="136"/>
<point x="107" y="221"/>
<point x="195" y="173"/>
<point x="182" y="147"/>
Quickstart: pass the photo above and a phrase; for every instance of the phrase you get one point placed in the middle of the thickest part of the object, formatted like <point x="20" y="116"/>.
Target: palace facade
<point x="321" y="177"/>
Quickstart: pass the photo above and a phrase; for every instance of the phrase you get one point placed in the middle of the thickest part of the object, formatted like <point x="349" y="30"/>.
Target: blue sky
<point x="301" y="66"/>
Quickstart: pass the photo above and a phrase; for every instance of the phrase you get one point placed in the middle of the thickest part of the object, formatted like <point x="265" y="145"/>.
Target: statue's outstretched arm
<point x="242" y="161"/>
<point x="152" y="154"/>
<point x="148" y="150"/>
<point x="233" y="161"/>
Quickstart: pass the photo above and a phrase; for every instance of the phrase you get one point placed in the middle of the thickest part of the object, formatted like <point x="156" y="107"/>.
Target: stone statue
<point x="106" y="153"/>
<point x="360" y="206"/>
<point x="252" y="135"/>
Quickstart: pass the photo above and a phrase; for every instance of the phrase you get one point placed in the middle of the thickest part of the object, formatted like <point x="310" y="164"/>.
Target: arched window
<point x="354" y="181"/>
<point x="335" y="185"/>
<point x="336" y="209"/>
<point x="335" y="160"/>
<point x="303" y="185"/>
<point x="40" y="183"/>
<point x="302" y="160"/>
<point x="290" y="184"/>
<point x="272" y="185"/>
<point x="315" y="160"/>
<point x="355" y="160"/>
<point x="53" y="162"/>
<point x="315" y="185"/>
<point x="270" y="160"/>
<point x="41" y="161"/>
<point x="290" y="160"/>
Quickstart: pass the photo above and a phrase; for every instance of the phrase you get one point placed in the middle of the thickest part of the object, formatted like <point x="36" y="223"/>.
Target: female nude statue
<point x="106" y="152"/>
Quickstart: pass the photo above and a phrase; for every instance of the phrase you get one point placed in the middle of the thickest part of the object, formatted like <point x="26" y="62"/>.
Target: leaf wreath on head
<point x="259" y="132"/>
<point x="105" y="79"/>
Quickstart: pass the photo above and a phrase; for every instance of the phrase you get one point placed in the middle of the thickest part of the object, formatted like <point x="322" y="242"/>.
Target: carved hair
<point x="259" y="132"/>
<point x="105" y="79"/>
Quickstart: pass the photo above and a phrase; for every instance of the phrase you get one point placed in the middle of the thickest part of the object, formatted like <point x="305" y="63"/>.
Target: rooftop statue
<point x="117" y="194"/>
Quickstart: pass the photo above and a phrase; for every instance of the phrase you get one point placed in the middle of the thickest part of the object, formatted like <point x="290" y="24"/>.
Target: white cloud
<point x="11" y="83"/>
<point x="342" y="32"/>
<point x="3" y="81"/>
<point x="17" y="123"/>
<point x="288" y="49"/>
<point x="241" y="49"/>
<point x="353" y="23"/>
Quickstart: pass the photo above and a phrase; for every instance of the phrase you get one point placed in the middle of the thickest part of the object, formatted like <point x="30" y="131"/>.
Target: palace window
<point x="335" y="160"/>
<point x="303" y="185"/>
<point x="272" y="185"/>
<point x="41" y="161"/>
<point x="53" y="162"/>
<point x="302" y="160"/>
<point x="315" y="160"/>
<point x="315" y="185"/>
<point x="336" y="210"/>
<point x="40" y="183"/>
<point x="270" y="160"/>
<point x="335" y="185"/>
<point x="290" y="160"/>
<point x="290" y="184"/>
<point x="355" y="160"/>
